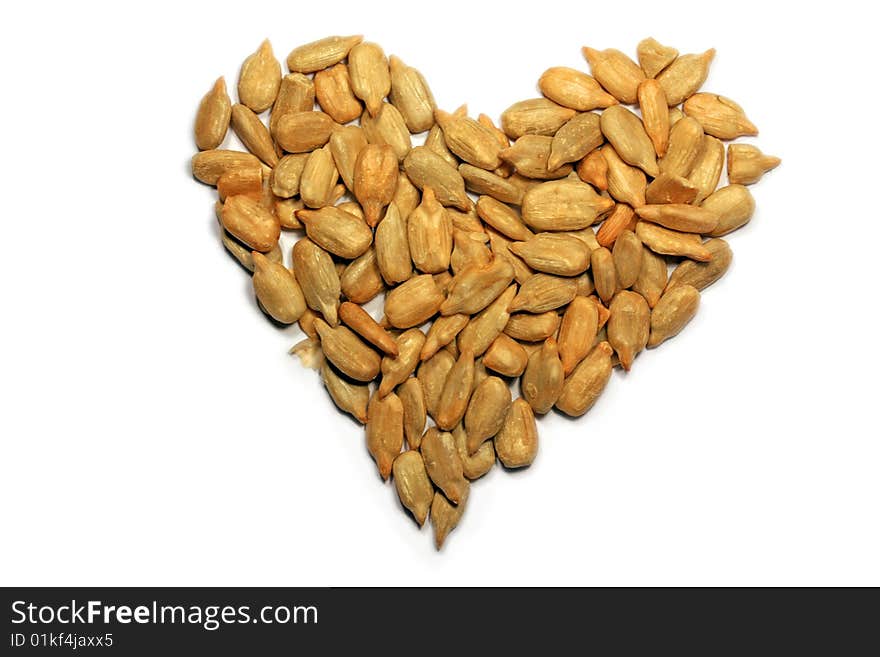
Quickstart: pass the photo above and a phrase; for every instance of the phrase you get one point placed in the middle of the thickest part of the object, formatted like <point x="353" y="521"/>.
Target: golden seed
<point x="683" y="77"/>
<point x="413" y="302"/>
<point x="530" y="327"/>
<point x="628" y="326"/>
<point x="445" y="516"/>
<point x="577" y="137"/>
<point x="575" y="89"/>
<point x="719" y="116"/>
<point x="655" y="114"/>
<point x="375" y="179"/>
<point x="337" y="231"/>
<point x="241" y="182"/>
<point x="392" y="247"/>
<point x="296" y="94"/>
<point x="476" y="287"/>
<point x="578" y="329"/>
<point x="626" y="184"/>
<point x="672" y="242"/>
<point x="669" y="188"/>
<point x="212" y="118"/>
<point x="277" y="290"/>
<point x="414" y="413"/>
<point x="387" y="127"/>
<point x="432" y="375"/>
<point x="563" y="205"/>
<point x="351" y="355"/>
<point x="469" y="140"/>
<point x="484" y="327"/>
<point x="486" y="412"/>
<point x="443" y="331"/>
<point x="506" y="356"/>
<point x="346" y="144"/>
<point x="413" y="485"/>
<point x="456" y="393"/>
<point x="701" y="275"/>
<point x="530" y="157"/>
<point x="370" y="75"/>
<point x="365" y="326"/>
<point x="348" y="396"/>
<point x="680" y="216"/>
<point x="685" y="145"/>
<point x="208" y="166"/>
<point x="480" y="462"/>
<point x="287" y="174"/>
<point x="746" y="164"/>
<point x="536" y="116"/>
<point x="429" y="233"/>
<point x="318" y="279"/>
<point x="584" y="385"/>
<point x="259" y="79"/>
<point x="334" y="94"/>
<point x="362" y="280"/>
<point x="543" y="378"/>
<point x="543" y="292"/>
<point x="411" y="95"/>
<point x="652" y="276"/>
<point x="654" y="57"/>
<point x="593" y="169"/>
<point x="248" y="221"/>
<point x="397" y="369"/>
<point x="706" y="171"/>
<point x="604" y="273"/>
<point x="253" y="134"/>
<point x="301" y="132"/>
<point x="625" y="131"/>
<point x="317" y="184"/>
<point x="517" y="442"/>
<point x="427" y="169"/>
<point x="480" y="181"/>
<point x="616" y="72"/>
<point x="552" y="253"/>
<point x="627" y="255"/>
<point x="675" y="309"/>
<point x="384" y="431"/>
<point x="321" y="54"/>
<point x="734" y="205"/>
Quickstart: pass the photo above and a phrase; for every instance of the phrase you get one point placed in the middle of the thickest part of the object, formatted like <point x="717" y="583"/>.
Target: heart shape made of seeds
<point x="481" y="239"/>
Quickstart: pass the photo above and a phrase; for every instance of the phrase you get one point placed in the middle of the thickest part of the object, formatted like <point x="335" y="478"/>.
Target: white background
<point x="155" y="432"/>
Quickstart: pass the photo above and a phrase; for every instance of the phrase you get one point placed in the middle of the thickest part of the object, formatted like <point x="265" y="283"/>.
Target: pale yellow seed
<point x="414" y="412"/>
<point x="683" y="77"/>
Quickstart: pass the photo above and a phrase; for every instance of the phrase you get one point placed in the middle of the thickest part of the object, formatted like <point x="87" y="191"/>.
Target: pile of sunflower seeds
<point x="539" y="250"/>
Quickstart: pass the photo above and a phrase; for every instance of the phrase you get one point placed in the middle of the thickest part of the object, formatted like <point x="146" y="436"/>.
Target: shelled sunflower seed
<point x="539" y="251"/>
